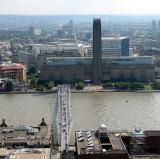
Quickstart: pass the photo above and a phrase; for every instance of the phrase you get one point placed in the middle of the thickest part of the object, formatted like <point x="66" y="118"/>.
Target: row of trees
<point x="124" y="85"/>
<point x="41" y="85"/>
<point x="132" y="86"/>
<point x="35" y="83"/>
<point x="156" y="85"/>
<point x="48" y="85"/>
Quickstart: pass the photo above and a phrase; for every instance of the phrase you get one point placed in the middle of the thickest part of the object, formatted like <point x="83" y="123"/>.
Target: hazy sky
<point x="80" y="7"/>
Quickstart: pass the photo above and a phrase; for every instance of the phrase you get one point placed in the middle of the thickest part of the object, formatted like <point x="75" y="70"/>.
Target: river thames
<point x="117" y="110"/>
<point x="26" y="108"/>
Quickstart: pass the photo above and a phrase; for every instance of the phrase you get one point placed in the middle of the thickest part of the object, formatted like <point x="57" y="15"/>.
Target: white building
<point x="42" y="51"/>
<point x="62" y="48"/>
<point x="115" y="46"/>
<point x="112" y="47"/>
<point x="69" y="49"/>
<point x="37" y="32"/>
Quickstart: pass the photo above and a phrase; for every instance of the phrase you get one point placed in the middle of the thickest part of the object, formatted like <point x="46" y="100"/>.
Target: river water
<point x="117" y="110"/>
<point x="26" y="108"/>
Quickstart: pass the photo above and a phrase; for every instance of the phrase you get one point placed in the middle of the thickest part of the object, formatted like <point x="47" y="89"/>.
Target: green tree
<point x="148" y="86"/>
<point x="50" y="85"/>
<point x="122" y="85"/>
<point x="156" y="85"/>
<point x="108" y="85"/>
<point x="9" y="86"/>
<point x="40" y="88"/>
<point x="80" y="85"/>
<point x="33" y="82"/>
<point x="136" y="86"/>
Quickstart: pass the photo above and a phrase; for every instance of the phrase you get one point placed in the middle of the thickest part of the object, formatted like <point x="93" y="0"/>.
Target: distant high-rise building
<point x="115" y="46"/>
<point x="97" y="55"/>
<point x="69" y="29"/>
<point x="27" y="58"/>
<point x="154" y="26"/>
<point x="31" y="30"/>
<point x="158" y="25"/>
<point x="1" y="58"/>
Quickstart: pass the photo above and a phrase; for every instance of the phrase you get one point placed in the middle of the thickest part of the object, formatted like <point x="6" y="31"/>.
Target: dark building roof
<point x="88" y="142"/>
<point x="27" y="135"/>
<point x="152" y="133"/>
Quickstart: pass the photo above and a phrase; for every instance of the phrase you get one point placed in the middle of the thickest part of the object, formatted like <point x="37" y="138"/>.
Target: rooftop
<point x="26" y="136"/>
<point x="96" y="18"/>
<point x="89" y="143"/>
<point x="145" y="156"/>
<point x="152" y="133"/>
<point x="114" y="38"/>
<point x="13" y="66"/>
<point x="25" y="153"/>
<point x="123" y="60"/>
<point x="136" y="145"/>
<point x="116" y="142"/>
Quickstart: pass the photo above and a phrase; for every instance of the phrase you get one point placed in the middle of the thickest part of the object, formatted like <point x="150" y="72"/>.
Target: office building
<point x="27" y="58"/>
<point x="104" y="144"/>
<point x="99" y="144"/>
<point x="69" y="48"/>
<point x="13" y="71"/>
<point x="112" y="47"/>
<point x="158" y="26"/>
<point x="154" y="27"/>
<point x="115" y="46"/>
<point x="62" y="48"/>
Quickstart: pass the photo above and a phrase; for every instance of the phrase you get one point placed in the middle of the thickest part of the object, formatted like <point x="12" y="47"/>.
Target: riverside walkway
<point x="64" y="118"/>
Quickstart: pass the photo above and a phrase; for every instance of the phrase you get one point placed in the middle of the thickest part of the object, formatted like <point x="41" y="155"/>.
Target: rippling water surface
<point x="26" y="108"/>
<point x="118" y="110"/>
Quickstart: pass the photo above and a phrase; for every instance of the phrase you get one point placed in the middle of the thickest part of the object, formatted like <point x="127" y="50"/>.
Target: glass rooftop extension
<point x="68" y="61"/>
<point x="141" y="60"/>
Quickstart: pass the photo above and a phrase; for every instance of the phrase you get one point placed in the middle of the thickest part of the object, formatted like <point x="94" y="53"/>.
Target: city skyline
<point x="61" y="7"/>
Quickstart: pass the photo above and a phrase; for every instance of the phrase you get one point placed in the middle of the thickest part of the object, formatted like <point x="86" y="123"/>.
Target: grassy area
<point x="148" y="87"/>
